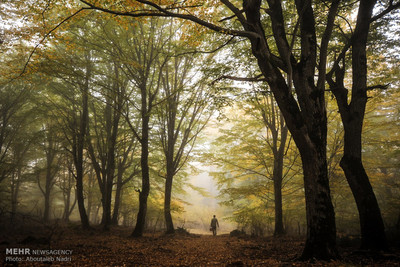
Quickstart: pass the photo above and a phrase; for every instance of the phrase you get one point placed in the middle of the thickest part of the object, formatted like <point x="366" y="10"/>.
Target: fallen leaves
<point x="116" y="248"/>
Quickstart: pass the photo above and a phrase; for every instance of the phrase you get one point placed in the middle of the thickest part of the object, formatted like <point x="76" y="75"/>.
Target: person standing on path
<point x="214" y="224"/>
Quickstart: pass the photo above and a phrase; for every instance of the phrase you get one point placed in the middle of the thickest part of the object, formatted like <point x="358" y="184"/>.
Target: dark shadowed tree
<point x="352" y="111"/>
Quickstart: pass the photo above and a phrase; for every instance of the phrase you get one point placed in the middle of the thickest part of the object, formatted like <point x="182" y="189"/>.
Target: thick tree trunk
<point x="308" y="130"/>
<point x="279" y="229"/>
<point x="321" y="228"/>
<point x="167" y="204"/>
<point x="371" y="223"/>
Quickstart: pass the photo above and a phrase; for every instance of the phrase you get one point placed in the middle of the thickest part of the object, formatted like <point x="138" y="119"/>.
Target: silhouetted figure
<point x="214" y="224"/>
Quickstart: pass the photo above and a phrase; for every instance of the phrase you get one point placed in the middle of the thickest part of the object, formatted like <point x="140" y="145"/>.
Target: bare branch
<point x="378" y="86"/>
<point x="238" y="13"/>
<point x="241" y="79"/>
<point x="206" y="52"/>
<point x="386" y="11"/>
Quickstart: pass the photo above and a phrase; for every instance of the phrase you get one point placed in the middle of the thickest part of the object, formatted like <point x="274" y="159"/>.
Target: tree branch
<point x="206" y="52"/>
<point x="241" y="79"/>
<point x="163" y="12"/>
<point x="386" y="11"/>
<point x="238" y="13"/>
<point x="378" y="86"/>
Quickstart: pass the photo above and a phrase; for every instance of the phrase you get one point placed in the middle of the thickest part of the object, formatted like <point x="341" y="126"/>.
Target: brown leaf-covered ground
<point x="116" y="248"/>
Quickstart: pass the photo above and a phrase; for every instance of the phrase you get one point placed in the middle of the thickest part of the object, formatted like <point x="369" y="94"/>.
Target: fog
<point x="198" y="214"/>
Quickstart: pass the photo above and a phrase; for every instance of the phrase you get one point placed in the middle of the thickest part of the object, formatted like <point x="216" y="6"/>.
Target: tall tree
<point x="106" y="126"/>
<point x="71" y="83"/>
<point x="79" y="139"/>
<point x="352" y="112"/>
<point x="275" y="124"/>
<point x="181" y="117"/>
<point x="139" y="54"/>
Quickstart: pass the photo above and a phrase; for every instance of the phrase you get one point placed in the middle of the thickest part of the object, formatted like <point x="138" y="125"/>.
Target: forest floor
<point x="115" y="248"/>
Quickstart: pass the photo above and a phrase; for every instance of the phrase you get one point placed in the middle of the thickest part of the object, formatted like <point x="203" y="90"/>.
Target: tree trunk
<point x="321" y="228"/>
<point x="90" y="204"/>
<point x="15" y="186"/>
<point x="308" y="128"/>
<point x="279" y="229"/>
<point x="67" y="203"/>
<point x="80" y="197"/>
<point x="305" y="117"/>
<point x="49" y="184"/>
<point x="279" y="153"/>
<point x="117" y="202"/>
<point x="143" y="194"/>
<point x="80" y="142"/>
<point x="144" y="163"/>
<point x="167" y="204"/>
<point x="371" y="223"/>
<point x="67" y="197"/>
<point x="46" y="213"/>
<point x="170" y="168"/>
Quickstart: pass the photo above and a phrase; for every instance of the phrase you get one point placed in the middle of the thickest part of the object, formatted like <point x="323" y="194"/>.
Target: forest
<point x="126" y="125"/>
